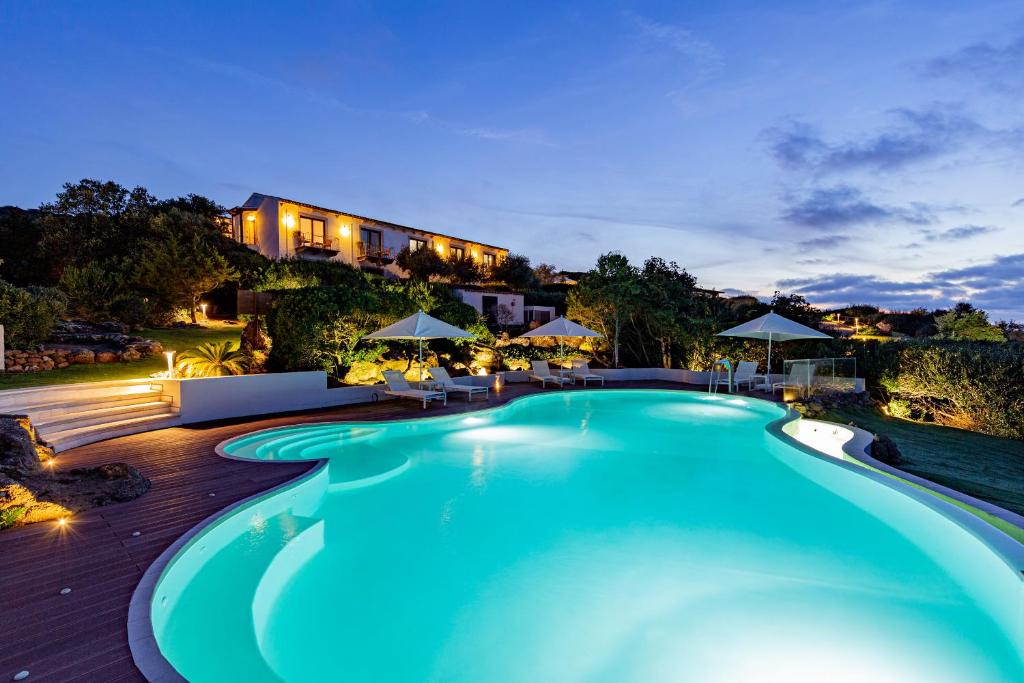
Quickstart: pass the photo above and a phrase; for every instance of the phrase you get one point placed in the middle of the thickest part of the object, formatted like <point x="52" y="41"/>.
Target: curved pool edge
<point x="156" y="668"/>
<point x="146" y="654"/>
<point x="927" y="493"/>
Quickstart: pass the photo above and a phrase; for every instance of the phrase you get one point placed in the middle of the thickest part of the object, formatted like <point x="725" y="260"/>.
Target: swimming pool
<point x="599" y="536"/>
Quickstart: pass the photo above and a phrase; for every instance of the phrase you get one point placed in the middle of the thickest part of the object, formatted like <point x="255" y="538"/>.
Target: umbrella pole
<point x="768" y="370"/>
<point x="421" y="359"/>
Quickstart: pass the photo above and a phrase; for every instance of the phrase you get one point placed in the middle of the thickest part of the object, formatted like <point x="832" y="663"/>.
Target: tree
<point x="503" y="315"/>
<point x="20" y="232"/>
<point x="462" y="269"/>
<point x="605" y="297"/>
<point x="421" y="264"/>
<point x="796" y="307"/>
<point x="515" y="271"/>
<point x="967" y="323"/>
<point x="92" y="220"/>
<point x="546" y="273"/>
<point x="179" y="267"/>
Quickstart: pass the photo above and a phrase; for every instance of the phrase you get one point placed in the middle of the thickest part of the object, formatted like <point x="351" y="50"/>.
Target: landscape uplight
<point x="170" y="363"/>
<point x="203" y="307"/>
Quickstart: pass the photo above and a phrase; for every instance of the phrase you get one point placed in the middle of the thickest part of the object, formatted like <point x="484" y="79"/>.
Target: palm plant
<point x="212" y="360"/>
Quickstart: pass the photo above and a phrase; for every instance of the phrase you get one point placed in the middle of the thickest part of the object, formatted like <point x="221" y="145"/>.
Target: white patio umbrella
<point x="561" y="328"/>
<point x="420" y="326"/>
<point x="773" y="327"/>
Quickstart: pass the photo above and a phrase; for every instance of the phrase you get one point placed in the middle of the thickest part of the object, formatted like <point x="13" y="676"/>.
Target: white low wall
<point x="217" y="398"/>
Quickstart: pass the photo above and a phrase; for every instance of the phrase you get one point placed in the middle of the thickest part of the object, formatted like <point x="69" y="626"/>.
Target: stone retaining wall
<point x="48" y="358"/>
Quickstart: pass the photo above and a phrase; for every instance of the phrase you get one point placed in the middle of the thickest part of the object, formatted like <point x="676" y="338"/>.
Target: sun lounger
<point x="441" y="376"/>
<point x="799" y="377"/>
<point x="542" y="373"/>
<point x="397" y="386"/>
<point x="581" y="370"/>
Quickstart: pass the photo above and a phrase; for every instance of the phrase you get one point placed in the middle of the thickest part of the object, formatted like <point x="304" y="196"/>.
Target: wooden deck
<point x="82" y="636"/>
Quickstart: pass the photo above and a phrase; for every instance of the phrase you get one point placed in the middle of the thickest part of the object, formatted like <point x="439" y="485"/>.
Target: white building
<point x="285" y="228"/>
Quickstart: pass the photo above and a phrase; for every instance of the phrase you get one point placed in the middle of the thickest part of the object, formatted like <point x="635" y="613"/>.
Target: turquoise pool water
<point x="584" y="536"/>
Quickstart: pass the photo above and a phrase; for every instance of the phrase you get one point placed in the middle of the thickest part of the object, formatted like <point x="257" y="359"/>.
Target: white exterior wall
<point x="550" y="310"/>
<point x="475" y="299"/>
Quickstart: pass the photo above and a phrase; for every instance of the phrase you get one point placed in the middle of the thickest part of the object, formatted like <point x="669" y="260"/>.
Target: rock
<point x="107" y="357"/>
<point x="18" y="445"/>
<point x="885" y="450"/>
<point x="82" y="357"/>
<point x="131" y="354"/>
<point x="63" y="364"/>
<point x="15" y="368"/>
<point x="145" y="347"/>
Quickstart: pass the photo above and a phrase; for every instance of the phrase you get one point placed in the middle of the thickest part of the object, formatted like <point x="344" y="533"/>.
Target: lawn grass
<point x="986" y="467"/>
<point x="173" y="339"/>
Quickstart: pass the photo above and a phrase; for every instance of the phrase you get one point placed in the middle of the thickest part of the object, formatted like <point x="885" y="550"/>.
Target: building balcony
<point x="305" y="244"/>
<point x="374" y="253"/>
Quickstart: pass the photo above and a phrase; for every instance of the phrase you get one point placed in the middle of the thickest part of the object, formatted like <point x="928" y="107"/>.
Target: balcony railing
<point x="374" y="252"/>
<point x="307" y="243"/>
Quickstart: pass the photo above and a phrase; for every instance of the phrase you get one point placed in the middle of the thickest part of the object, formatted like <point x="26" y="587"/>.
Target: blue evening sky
<point x="856" y="152"/>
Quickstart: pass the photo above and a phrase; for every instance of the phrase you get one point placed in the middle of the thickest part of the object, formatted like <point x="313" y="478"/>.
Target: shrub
<point x="970" y="385"/>
<point x="130" y="309"/>
<point x="29" y="315"/>
<point x="217" y="359"/>
<point x="93" y="287"/>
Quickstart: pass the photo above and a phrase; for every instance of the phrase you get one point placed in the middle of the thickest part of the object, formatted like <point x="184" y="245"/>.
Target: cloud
<point x="996" y="285"/>
<point x="917" y="135"/>
<point x="826" y="242"/>
<point x="1019" y="202"/>
<point x="999" y="67"/>
<point x="843" y="205"/>
<point x="683" y="41"/>
<point x="961" y="232"/>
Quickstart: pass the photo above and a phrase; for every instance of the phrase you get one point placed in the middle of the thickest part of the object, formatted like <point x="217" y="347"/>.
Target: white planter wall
<point x="217" y="398"/>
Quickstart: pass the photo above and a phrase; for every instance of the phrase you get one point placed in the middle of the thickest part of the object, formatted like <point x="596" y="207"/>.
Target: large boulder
<point x="18" y="445"/>
<point x="108" y="357"/>
<point x="82" y="356"/>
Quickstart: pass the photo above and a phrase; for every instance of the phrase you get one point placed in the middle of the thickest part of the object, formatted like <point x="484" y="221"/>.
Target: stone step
<point x="94" y="414"/>
<point x="15" y="400"/>
<point x="44" y="411"/>
<point x="71" y="438"/>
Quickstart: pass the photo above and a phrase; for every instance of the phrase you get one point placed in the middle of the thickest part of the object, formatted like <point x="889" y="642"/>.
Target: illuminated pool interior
<point x="584" y="536"/>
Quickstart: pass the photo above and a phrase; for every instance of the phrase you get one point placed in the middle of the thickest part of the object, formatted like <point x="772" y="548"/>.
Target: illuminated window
<point x="313" y="230"/>
<point x="416" y="244"/>
<point x="456" y="252"/>
<point x="489" y="260"/>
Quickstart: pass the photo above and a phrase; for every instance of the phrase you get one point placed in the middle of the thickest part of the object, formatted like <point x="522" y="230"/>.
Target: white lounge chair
<point x="542" y="373"/>
<point x="441" y="376"/>
<point x="799" y="377"/>
<point x="397" y="386"/>
<point x="745" y="372"/>
<point x="581" y="370"/>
